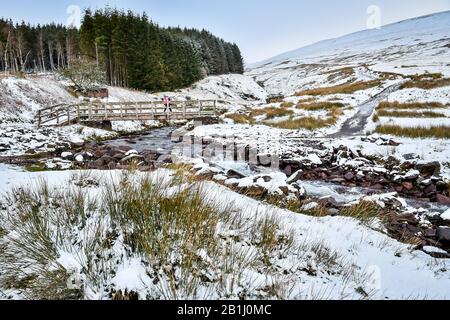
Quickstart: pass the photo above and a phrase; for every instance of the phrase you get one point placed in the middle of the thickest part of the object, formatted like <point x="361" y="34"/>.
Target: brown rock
<point x="255" y="191"/>
<point x="398" y="189"/>
<point x="285" y="190"/>
<point x="430" y="189"/>
<point x="429" y="169"/>
<point x="442" y="199"/>
<point x="349" y="176"/>
<point x="408" y="186"/>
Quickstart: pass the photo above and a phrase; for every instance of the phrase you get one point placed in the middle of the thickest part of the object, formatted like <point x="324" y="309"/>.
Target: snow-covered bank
<point x="368" y="262"/>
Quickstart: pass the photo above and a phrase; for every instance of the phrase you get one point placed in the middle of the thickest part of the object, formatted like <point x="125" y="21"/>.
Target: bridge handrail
<point x="97" y="109"/>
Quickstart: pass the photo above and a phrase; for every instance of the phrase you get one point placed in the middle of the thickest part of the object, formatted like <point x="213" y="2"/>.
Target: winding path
<point x="356" y="124"/>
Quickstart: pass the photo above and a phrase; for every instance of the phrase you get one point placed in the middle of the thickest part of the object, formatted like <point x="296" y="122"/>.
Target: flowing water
<point x="158" y="140"/>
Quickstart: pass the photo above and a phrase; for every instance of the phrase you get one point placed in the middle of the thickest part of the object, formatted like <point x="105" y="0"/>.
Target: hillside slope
<point x="408" y="47"/>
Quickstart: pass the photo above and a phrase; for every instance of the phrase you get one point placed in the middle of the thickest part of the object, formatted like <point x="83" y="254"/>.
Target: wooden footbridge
<point x="67" y="114"/>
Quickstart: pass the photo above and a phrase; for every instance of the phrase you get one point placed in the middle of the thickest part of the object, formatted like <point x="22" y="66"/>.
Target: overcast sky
<point x="261" y="28"/>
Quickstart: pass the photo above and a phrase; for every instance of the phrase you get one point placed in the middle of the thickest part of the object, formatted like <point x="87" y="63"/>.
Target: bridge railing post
<point x="90" y="111"/>
<point x="78" y="114"/>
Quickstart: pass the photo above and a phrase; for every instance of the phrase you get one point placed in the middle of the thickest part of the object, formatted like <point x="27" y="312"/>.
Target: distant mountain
<point x="412" y="46"/>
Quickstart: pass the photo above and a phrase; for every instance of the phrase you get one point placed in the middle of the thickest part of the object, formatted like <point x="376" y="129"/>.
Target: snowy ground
<point x="374" y="262"/>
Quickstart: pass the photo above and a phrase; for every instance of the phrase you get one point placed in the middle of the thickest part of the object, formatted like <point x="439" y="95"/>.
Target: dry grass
<point x="287" y="105"/>
<point x="313" y="123"/>
<point x="308" y="123"/>
<point x="413" y="105"/>
<point x="270" y="113"/>
<point x="410" y="114"/>
<point x="418" y="132"/>
<point x="178" y="233"/>
<point x="239" y="118"/>
<point x="341" y="73"/>
<point x="319" y="106"/>
<point x="427" y="81"/>
<point x="347" y="88"/>
<point x="364" y="211"/>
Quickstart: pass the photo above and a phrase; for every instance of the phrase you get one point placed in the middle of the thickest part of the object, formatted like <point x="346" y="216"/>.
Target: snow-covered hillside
<point x="412" y="46"/>
<point x="21" y="98"/>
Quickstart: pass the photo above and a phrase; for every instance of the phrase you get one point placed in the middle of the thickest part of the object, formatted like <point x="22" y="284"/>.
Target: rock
<point x="333" y="212"/>
<point x="431" y="233"/>
<point x="410" y="156"/>
<point x="442" y="186"/>
<point x="408" y="218"/>
<point x="337" y="180"/>
<point x="67" y="155"/>
<point x="284" y="190"/>
<point x="79" y="158"/>
<point x="118" y="156"/>
<point x="408" y="186"/>
<point x="314" y="158"/>
<point x="234" y="174"/>
<point x="132" y="157"/>
<point x="398" y="189"/>
<point x="131" y="152"/>
<point x="349" y="176"/>
<point x="412" y="175"/>
<point x="446" y="215"/>
<point x="301" y="191"/>
<point x="426" y="182"/>
<point x="378" y="187"/>
<point x="310" y="206"/>
<point x="443" y="233"/>
<point x="442" y="199"/>
<point x="328" y="202"/>
<point x="295" y="177"/>
<point x="393" y="143"/>
<point x="429" y="169"/>
<point x="99" y="153"/>
<point x="430" y="189"/>
<point x="165" y="158"/>
<point x="392" y="162"/>
<point x="255" y="191"/>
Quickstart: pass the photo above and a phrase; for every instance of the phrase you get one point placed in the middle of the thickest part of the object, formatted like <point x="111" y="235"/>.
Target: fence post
<point x="57" y="116"/>
<point x="184" y="110"/>
<point x="78" y="114"/>
<point x="215" y="107"/>
<point x="39" y="118"/>
<point x="90" y="111"/>
<point x="199" y="108"/>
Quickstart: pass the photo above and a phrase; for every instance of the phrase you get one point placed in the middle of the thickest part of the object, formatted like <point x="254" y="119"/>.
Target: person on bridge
<point x="166" y="101"/>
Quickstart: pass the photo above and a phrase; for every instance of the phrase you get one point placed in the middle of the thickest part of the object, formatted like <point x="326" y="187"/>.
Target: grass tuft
<point x="347" y="88"/>
<point x="416" y="132"/>
<point x="415" y="105"/>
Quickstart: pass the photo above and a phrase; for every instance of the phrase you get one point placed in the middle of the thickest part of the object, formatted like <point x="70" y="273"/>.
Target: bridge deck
<point x="125" y="111"/>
